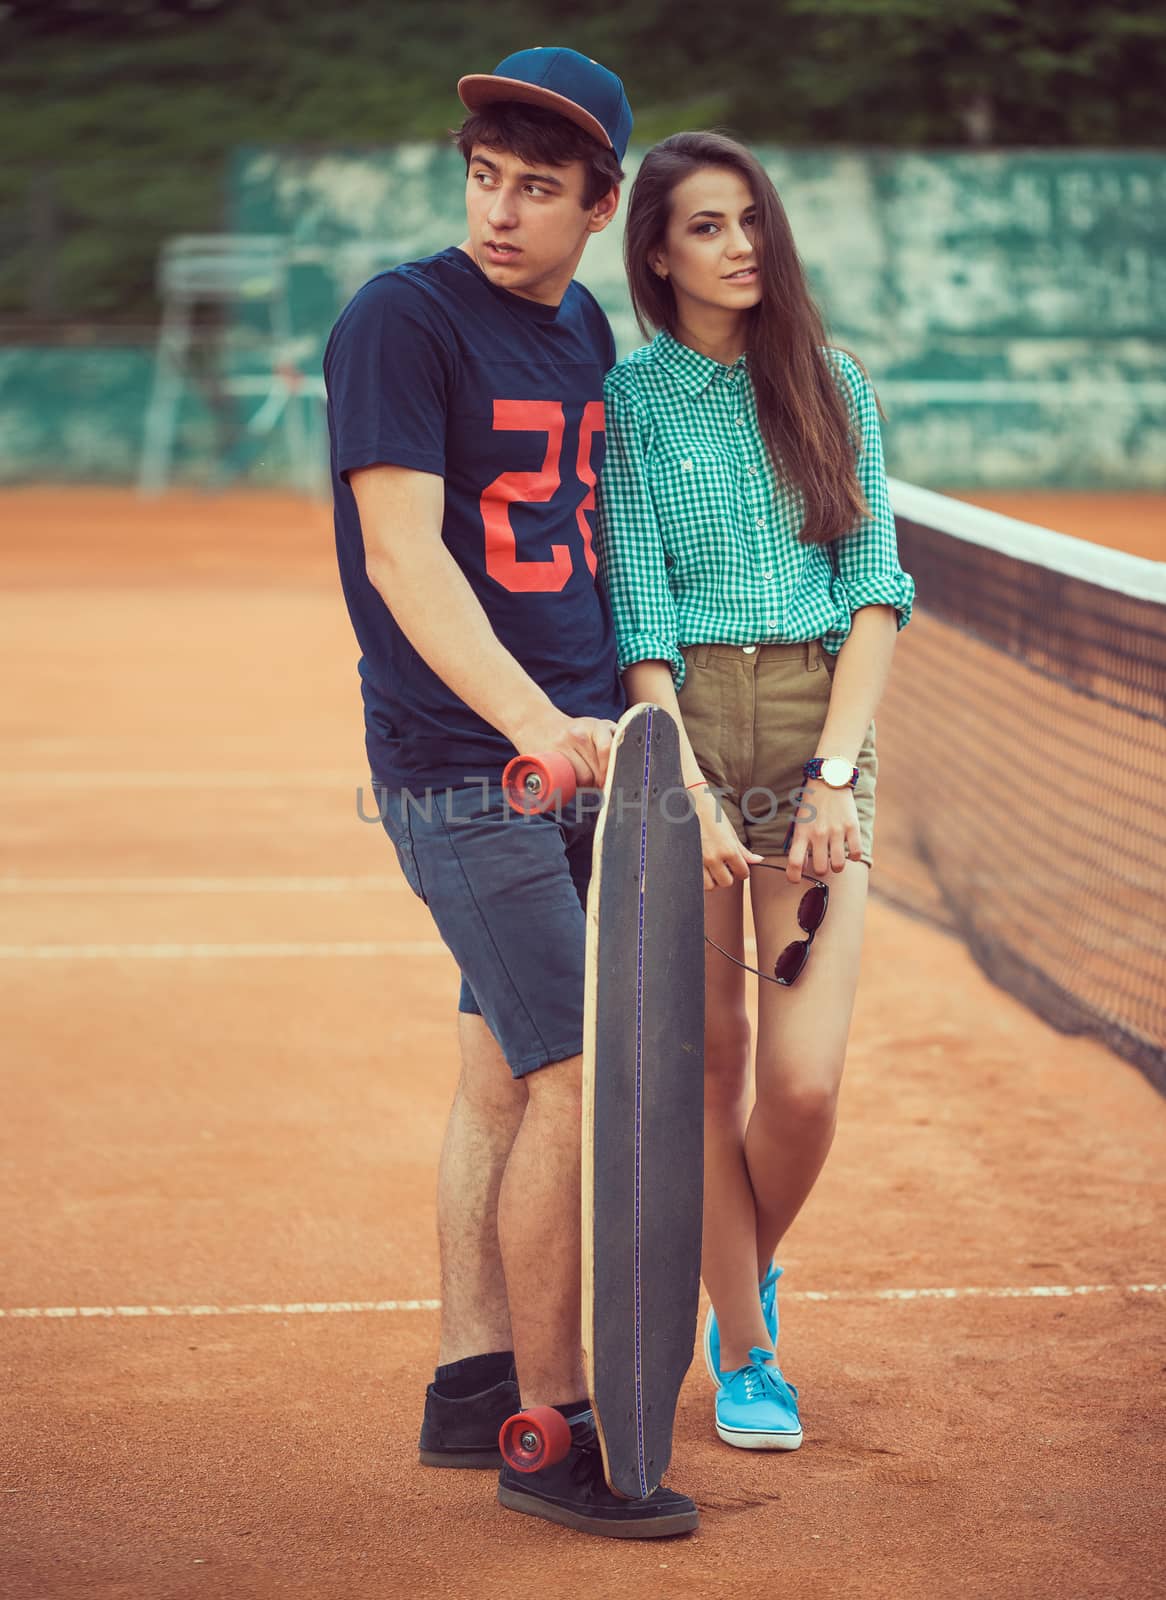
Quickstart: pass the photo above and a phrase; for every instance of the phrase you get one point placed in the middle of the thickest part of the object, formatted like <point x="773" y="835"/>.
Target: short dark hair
<point x="542" y="137"/>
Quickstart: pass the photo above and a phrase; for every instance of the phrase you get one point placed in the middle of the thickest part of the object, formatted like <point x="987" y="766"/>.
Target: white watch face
<point x="836" y="773"/>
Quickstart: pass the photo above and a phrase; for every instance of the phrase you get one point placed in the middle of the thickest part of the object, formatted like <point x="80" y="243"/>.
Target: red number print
<point x="591" y="424"/>
<point x="516" y="488"/>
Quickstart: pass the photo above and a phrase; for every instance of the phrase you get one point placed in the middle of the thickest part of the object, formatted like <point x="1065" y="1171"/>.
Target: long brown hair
<point x="803" y="416"/>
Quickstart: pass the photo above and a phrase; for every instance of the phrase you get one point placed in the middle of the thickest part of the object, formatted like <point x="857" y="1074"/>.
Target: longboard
<point x="643" y="1103"/>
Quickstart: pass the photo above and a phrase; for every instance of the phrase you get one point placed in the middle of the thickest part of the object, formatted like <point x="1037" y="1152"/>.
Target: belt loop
<point x="813" y="655"/>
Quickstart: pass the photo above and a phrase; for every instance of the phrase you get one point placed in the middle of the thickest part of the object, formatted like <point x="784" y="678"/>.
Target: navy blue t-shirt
<point x="431" y="366"/>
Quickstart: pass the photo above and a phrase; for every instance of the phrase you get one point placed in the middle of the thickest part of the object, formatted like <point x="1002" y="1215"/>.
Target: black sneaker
<point x="575" y="1493"/>
<point x="464" y="1432"/>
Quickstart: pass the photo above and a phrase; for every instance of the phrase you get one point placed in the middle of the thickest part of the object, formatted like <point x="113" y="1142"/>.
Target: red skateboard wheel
<point x="534" y="1438"/>
<point x="536" y="783"/>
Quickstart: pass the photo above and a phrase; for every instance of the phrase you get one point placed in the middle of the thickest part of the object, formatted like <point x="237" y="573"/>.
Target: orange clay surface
<point x="1135" y="523"/>
<point x="228" y="1054"/>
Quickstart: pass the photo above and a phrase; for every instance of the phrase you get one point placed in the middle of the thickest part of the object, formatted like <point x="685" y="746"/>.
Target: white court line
<point x="242" y="885"/>
<point x="300" y="1309"/>
<point x="198" y="779"/>
<point x="229" y="952"/>
<point x="1035" y="1291"/>
<point x="333" y="1308"/>
<point x="219" y="952"/>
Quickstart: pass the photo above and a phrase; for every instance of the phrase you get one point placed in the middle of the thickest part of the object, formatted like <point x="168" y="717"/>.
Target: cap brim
<point x="483" y="89"/>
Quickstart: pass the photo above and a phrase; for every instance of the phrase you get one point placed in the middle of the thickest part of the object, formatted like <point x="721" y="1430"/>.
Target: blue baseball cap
<point x="564" y="81"/>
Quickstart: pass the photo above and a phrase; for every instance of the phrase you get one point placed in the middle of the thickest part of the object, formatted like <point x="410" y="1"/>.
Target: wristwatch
<point x="832" y="771"/>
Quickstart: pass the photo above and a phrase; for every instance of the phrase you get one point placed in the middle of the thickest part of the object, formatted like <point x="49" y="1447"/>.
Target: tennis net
<point x="1022" y="783"/>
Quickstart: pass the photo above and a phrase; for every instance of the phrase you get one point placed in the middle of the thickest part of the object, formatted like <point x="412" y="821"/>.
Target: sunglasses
<point x="788" y="967"/>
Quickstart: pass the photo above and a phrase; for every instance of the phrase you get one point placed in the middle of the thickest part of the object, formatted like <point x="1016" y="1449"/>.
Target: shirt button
<point x="738" y="422"/>
<point x="768" y="576"/>
<point x="771" y="625"/>
<point x="761" y="522"/>
<point x="752" y="472"/>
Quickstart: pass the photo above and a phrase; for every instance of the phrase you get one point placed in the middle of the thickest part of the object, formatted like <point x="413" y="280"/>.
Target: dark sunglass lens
<point x="813" y="907"/>
<point x="791" y="961"/>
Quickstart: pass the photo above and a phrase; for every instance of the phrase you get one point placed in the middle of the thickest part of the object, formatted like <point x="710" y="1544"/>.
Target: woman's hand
<point x="726" y="860"/>
<point x="831" y="839"/>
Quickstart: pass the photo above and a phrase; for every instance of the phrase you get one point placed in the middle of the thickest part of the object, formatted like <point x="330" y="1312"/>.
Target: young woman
<point x="748" y="547"/>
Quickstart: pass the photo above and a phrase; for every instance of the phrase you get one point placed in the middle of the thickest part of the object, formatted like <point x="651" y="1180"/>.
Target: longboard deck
<point x="643" y="1101"/>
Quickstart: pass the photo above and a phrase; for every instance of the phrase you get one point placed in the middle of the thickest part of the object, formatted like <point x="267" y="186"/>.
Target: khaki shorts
<point x="753" y="716"/>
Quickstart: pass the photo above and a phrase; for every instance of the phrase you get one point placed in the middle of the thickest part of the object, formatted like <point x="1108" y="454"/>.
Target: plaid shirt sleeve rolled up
<point x="696" y="535"/>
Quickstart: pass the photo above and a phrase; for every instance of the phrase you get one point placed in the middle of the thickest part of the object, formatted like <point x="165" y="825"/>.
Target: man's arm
<point x="409" y="566"/>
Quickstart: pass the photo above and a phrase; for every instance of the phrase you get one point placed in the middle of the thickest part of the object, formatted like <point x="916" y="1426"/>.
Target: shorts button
<point x="748" y="649"/>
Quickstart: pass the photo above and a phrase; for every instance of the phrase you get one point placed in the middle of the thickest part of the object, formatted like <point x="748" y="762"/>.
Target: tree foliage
<point x="116" y="116"/>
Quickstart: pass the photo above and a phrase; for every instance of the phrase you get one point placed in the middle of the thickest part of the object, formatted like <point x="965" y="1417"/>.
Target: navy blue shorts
<point x="509" y="895"/>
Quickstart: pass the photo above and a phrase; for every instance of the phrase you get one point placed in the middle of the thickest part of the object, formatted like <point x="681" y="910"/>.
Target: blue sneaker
<point x="712" y="1337"/>
<point x="757" y="1409"/>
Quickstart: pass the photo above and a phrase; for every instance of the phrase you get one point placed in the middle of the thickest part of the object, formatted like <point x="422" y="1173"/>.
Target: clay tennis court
<point x="228" y="1055"/>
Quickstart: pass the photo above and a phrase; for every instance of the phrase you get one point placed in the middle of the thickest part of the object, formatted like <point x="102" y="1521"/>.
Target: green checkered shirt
<point x="697" y="537"/>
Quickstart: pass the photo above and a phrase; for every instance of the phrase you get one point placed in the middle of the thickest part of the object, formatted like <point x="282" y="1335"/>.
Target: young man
<point x="466" y="419"/>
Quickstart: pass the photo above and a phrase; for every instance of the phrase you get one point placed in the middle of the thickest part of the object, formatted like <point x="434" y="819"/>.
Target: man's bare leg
<point x="539" y="1228"/>
<point x="486" y="1114"/>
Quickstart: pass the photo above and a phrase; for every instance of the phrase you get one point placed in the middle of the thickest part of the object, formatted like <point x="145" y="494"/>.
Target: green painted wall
<point x="74" y="415"/>
<point x="1011" y="307"/>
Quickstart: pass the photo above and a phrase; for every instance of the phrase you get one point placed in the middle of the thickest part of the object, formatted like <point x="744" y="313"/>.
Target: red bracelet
<point x="703" y="784"/>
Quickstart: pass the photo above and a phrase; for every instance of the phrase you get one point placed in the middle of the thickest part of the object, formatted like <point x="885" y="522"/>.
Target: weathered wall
<point x="1011" y="307"/>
